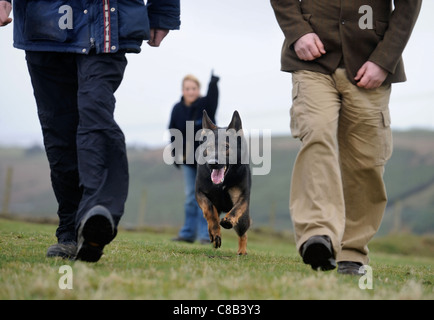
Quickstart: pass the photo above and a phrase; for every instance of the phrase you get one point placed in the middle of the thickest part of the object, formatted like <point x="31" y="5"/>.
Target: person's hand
<point x="157" y="35"/>
<point x="370" y="76"/>
<point x="214" y="77"/>
<point x="5" y="11"/>
<point x="309" y="47"/>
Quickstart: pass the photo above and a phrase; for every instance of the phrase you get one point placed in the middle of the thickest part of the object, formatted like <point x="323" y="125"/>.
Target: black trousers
<point x="84" y="145"/>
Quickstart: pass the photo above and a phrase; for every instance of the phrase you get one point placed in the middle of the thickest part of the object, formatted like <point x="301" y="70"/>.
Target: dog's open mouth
<point x="218" y="175"/>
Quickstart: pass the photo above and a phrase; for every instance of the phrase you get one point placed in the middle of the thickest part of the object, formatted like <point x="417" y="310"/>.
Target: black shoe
<point x="96" y="230"/>
<point x="66" y="250"/>
<point x="351" y="268"/>
<point x="318" y="252"/>
<point x="181" y="239"/>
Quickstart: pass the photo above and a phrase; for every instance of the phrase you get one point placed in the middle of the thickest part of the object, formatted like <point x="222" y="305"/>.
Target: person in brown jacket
<point x="343" y="56"/>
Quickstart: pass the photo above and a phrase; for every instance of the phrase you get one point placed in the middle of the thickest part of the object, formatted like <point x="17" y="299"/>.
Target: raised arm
<point x="212" y="96"/>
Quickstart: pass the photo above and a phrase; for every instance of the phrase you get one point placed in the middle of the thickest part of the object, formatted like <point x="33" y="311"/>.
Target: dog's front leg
<point x="230" y="220"/>
<point x="240" y="206"/>
<point x="212" y="217"/>
<point x="238" y="218"/>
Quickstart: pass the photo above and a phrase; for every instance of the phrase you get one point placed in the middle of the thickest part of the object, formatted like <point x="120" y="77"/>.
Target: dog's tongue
<point x="217" y="175"/>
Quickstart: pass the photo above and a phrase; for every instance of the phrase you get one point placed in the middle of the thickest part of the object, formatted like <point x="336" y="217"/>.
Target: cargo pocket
<point x="295" y="130"/>
<point x="387" y="140"/>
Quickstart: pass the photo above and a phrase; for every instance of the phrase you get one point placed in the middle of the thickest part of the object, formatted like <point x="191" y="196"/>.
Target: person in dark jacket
<point x="76" y="56"/>
<point x="187" y="118"/>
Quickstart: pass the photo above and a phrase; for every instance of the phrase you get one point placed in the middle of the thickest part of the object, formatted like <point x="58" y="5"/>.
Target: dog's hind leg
<point x="212" y="217"/>
<point x="241" y="229"/>
<point x="242" y="245"/>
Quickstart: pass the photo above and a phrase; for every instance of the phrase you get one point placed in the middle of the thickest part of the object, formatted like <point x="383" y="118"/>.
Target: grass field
<point x="147" y="265"/>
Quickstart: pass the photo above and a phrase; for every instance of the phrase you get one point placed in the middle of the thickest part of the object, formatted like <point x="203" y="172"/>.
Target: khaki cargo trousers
<point x="337" y="186"/>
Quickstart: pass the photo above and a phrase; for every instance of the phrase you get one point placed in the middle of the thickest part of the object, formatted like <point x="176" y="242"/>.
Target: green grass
<point x="147" y="265"/>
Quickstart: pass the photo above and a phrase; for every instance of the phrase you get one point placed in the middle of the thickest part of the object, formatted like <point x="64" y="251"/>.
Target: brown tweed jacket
<point x="352" y="31"/>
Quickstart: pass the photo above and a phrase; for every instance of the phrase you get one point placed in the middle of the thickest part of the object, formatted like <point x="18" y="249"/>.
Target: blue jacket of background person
<point x="82" y="25"/>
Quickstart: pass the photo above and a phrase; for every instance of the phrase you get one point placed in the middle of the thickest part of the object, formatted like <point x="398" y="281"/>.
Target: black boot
<point x="318" y="252"/>
<point x="65" y="250"/>
<point x="351" y="268"/>
<point x="96" y="230"/>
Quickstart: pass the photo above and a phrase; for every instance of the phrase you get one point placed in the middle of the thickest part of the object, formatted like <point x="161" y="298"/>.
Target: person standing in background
<point x="189" y="111"/>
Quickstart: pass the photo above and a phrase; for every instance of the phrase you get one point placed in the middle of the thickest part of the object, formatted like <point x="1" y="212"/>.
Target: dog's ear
<point x="236" y="122"/>
<point x="207" y="122"/>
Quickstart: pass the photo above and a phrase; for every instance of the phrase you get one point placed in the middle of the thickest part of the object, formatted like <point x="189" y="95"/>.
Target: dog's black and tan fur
<point x="223" y="185"/>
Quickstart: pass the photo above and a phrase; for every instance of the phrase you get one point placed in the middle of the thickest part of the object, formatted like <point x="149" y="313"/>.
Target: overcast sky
<point x="241" y="41"/>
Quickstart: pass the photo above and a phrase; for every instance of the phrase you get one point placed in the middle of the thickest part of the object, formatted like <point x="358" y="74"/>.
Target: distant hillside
<point x="157" y="193"/>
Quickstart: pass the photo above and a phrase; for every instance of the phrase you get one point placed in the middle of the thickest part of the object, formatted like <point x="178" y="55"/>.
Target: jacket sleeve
<point x="172" y="122"/>
<point x="164" y="14"/>
<point x="290" y="18"/>
<point x="212" y="97"/>
<point x="389" y="51"/>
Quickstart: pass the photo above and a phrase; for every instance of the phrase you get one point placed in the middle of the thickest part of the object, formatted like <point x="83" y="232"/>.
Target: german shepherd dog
<point x="223" y="180"/>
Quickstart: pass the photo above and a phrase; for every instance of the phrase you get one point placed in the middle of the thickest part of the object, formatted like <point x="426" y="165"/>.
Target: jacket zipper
<point x="107" y="26"/>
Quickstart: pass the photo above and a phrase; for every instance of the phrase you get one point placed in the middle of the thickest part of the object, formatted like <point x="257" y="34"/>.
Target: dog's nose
<point x="214" y="164"/>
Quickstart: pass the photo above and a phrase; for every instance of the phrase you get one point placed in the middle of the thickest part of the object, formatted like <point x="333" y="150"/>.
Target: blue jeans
<point x="195" y="225"/>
